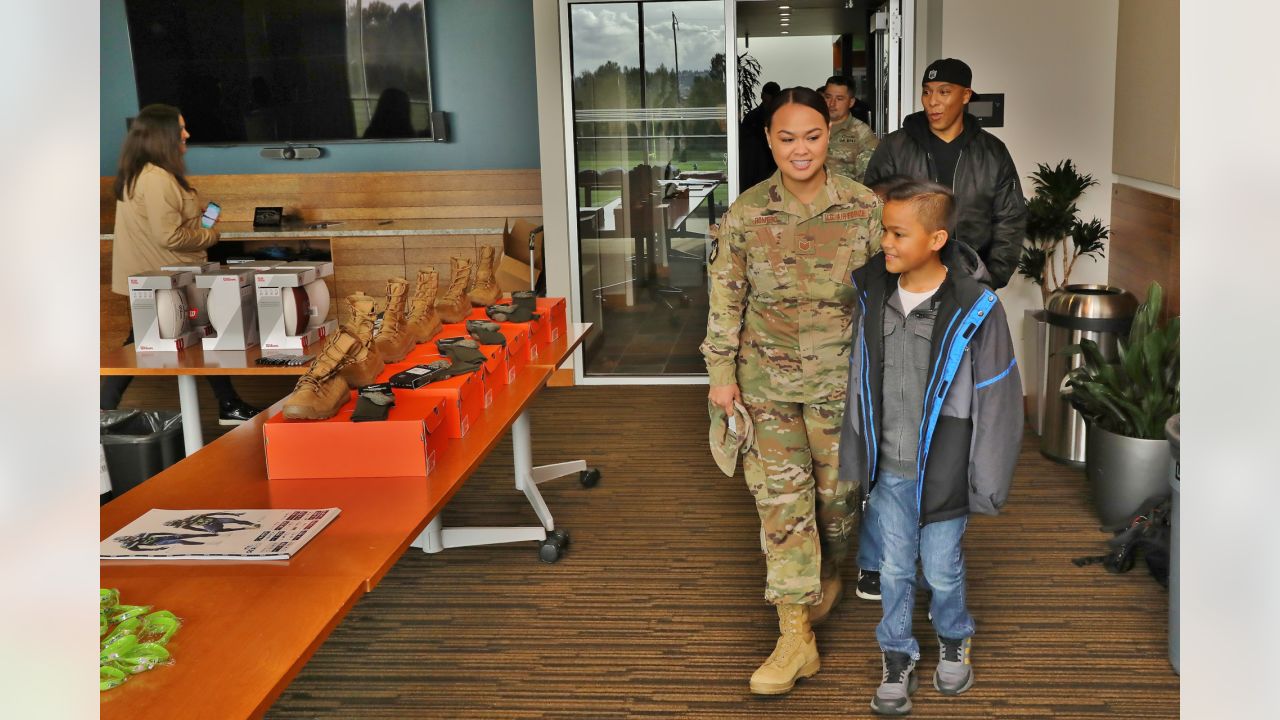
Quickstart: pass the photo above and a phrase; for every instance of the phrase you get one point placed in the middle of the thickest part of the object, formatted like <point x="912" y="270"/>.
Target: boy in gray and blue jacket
<point x="932" y="426"/>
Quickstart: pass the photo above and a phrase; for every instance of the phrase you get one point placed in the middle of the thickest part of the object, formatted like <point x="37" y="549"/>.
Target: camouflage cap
<point x="729" y="436"/>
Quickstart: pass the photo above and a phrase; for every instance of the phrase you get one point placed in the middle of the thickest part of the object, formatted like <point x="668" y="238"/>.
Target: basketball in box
<point x="410" y="442"/>
<point x="554" y="310"/>
<point x="539" y="336"/>
<point x="463" y="396"/>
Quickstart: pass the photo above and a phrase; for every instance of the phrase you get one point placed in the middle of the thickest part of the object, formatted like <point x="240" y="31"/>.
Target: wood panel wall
<point x="1145" y="243"/>
<point x="440" y="199"/>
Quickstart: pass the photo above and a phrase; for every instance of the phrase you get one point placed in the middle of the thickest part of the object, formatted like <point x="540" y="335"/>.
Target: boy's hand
<point x="724" y="396"/>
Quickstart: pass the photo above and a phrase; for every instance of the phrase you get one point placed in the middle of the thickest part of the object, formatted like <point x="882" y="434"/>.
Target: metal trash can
<point x="139" y="444"/>
<point x="1100" y="313"/>
<point x="1173" y="430"/>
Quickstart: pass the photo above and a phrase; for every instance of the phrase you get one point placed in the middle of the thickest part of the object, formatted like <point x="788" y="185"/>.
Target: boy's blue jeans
<point x="937" y="546"/>
<point x="869" y="541"/>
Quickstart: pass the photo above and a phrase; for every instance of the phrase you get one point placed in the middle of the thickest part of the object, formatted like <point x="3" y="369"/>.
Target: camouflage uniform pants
<point x="805" y="509"/>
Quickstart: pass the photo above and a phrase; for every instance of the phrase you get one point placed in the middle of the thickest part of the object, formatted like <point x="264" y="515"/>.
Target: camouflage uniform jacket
<point x="852" y="144"/>
<point x="782" y="302"/>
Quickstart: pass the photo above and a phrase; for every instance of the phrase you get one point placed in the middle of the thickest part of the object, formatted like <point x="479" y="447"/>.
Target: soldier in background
<point x="778" y="338"/>
<point x="852" y="141"/>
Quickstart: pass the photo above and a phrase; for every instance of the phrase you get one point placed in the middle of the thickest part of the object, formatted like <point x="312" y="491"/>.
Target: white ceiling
<point x="761" y="18"/>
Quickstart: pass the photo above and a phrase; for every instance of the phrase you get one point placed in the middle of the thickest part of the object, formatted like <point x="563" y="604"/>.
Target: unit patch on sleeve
<point x="845" y="215"/>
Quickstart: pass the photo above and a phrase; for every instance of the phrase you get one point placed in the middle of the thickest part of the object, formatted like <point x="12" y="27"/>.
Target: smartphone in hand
<point x="210" y="216"/>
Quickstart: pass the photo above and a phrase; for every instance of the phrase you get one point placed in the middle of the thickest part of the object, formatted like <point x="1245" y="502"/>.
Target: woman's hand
<point x="724" y="396"/>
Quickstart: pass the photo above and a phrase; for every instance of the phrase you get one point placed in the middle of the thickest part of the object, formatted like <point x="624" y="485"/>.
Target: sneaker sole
<point x="905" y="709"/>
<point x="968" y="684"/>
<point x="866" y="595"/>
<point x="807" y="671"/>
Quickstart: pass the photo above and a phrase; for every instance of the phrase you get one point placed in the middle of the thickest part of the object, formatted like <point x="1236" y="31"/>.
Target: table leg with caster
<point x="552" y="542"/>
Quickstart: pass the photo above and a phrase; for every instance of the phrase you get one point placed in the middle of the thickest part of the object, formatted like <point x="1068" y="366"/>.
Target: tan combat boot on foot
<point x="794" y="657"/>
<point x="322" y="391"/>
<point x="393" y="340"/>
<point x="485" y="292"/>
<point x="832" y="591"/>
<point x="454" y="306"/>
<point x="365" y="362"/>
<point x="424" y="321"/>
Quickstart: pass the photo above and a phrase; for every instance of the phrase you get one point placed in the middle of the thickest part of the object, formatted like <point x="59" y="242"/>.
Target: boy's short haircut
<point x="934" y="204"/>
<point x="883" y="185"/>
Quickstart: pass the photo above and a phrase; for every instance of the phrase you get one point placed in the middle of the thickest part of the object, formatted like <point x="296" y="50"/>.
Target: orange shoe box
<point x="539" y="332"/>
<point x="511" y="357"/>
<point x="463" y="395"/>
<point x="492" y="374"/>
<point x="409" y="442"/>
<point x="556" y="311"/>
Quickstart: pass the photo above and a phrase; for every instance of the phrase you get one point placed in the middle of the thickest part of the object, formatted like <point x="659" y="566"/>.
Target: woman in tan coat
<point x="158" y="224"/>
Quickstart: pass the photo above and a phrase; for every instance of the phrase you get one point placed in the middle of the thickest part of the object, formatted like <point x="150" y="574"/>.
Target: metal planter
<point x="1125" y="472"/>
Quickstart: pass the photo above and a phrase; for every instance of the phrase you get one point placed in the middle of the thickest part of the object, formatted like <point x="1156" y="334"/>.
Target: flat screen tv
<point x="285" y="71"/>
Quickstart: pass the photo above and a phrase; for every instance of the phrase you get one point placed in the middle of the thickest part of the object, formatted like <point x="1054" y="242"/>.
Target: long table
<point x="251" y="626"/>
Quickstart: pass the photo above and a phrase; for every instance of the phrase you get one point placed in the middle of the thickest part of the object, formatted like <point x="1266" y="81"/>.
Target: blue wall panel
<point x="482" y="75"/>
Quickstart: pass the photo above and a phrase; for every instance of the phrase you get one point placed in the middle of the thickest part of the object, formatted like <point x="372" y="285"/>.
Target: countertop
<point x="345" y="228"/>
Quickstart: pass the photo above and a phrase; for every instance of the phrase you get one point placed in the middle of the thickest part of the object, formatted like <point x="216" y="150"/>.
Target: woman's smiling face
<point x="798" y="136"/>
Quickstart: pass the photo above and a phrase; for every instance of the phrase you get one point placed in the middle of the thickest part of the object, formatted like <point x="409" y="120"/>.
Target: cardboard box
<point x="152" y="293"/>
<point x="410" y="442"/>
<point x="539" y="335"/>
<point x="514" y="268"/>
<point x="556" y="311"/>
<point x="272" y="330"/>
<point x="463" y="396"/>
<point x="504" y="360"/>
<point x="233" y="309"/>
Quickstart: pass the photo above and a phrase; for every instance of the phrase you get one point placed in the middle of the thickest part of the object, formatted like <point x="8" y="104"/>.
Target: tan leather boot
<point x="393" y="340"/>
<point x="794" y="657"/>
<point x="321" y="392"/>
<point x="454" y="306"/>
<point x="424" y="321"/>
<point x="485" y="292"/>
<point x="366" y="363"/>
<point x="832" y="591"/>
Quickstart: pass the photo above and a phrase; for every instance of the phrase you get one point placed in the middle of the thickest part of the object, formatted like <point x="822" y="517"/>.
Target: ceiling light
<point x="785" y="24"/>
<point x="784" y="32"/>
<point x="784" y="7"/>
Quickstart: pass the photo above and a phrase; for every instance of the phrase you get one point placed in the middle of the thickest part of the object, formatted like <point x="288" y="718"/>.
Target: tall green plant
<point x="1056" y="236"/>
<point x="1136" y="395"/>
<point x="748" y="81"/>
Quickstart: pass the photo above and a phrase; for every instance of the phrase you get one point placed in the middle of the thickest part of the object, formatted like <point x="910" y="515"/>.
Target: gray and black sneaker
<point x="955" y="671"/>
<point x="898" y="681"/>
<point x="868" y="584"/>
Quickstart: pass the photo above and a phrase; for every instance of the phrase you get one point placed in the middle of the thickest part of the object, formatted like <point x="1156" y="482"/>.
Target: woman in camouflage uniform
<point x="778" y="338"/>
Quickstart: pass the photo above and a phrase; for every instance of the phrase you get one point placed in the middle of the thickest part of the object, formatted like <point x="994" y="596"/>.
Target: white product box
<point x="197" y="296"/>
<point x="286" y="318"/>
<point x="323" y="268"/>
<point x="233" y="308"/>
<point x="158" y="307"/>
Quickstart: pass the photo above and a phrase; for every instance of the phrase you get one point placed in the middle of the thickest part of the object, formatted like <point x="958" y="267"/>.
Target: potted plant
<point x="1056" y="240"/>
<point x="1126" y="405"/>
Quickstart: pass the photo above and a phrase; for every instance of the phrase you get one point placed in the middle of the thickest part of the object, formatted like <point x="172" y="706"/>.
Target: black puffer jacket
<point x="991" y="213"/>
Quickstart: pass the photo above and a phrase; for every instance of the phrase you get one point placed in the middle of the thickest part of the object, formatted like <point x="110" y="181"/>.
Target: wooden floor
<point x="657" y="611"/>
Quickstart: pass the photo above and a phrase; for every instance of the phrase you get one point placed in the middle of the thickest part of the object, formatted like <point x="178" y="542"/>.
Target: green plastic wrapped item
<point x="132" y="639"/>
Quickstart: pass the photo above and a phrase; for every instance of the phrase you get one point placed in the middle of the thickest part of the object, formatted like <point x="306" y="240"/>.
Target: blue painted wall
<point x="482" y="75"/>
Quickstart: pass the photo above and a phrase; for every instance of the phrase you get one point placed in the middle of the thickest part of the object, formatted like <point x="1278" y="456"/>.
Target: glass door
<point x="647" y="139"/>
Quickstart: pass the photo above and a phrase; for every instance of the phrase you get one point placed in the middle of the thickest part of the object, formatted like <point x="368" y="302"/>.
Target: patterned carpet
<point x="656" y="610"/>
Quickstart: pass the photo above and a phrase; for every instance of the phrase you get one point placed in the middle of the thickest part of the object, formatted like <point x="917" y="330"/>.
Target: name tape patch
<point x="845" y="215"/>
<point x="768" y="220"/>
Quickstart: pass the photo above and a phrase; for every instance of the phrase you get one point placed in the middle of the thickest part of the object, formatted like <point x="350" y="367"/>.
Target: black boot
<point x="235" y="412"/>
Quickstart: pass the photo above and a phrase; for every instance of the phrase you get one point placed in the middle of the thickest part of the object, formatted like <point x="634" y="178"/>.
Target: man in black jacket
<point x="945" y="144"/>
<point x="755" y="160"/>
